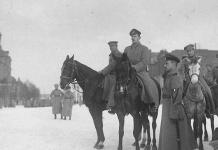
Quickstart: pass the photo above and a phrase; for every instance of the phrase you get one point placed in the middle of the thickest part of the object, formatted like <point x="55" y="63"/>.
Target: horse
<point x="195" y="102"/>
<point x="211" y="78"/>
<point x="128" y="97"/>
<point x="90" y="80"/>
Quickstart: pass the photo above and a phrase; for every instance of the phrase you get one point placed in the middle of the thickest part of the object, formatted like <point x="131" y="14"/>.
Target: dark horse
<point x="128" y="98"/>
<point x="89" y="80"/>
<point x="213" y="83"/>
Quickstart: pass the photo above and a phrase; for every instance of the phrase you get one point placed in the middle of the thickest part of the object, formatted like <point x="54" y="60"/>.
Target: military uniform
<point x="174" y="123"/>
<point x="110" y="78"/>
<point x="68" y="101"/>
<point x="139" y="57"/>
<point x="56" y="97"/>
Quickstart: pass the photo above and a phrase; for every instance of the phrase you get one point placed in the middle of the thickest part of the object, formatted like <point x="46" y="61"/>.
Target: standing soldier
<point x="68" y="102"/>
<point x="56" y="97"/>
<point x="175" y="132"/>
<point x="110" y="79"/>
<point x="184" y="71"/>
<point x="139" y="57"/>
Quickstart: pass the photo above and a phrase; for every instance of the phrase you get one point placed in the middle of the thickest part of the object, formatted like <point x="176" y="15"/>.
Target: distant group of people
<point x="62" y="102"/>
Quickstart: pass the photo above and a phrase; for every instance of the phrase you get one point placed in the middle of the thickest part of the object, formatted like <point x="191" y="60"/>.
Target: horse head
<point x="194" y="71"/>
<point x="124" y="73"/>
<point x="194" y="88"/>
<point x="68" y="72"/>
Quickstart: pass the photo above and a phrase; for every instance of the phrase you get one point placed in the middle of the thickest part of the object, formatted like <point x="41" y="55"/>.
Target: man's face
<point x="113" y="47"/>
<point x="135" y="38"/>
<point x="169" y="65"/>
<point x="190" y="52"/>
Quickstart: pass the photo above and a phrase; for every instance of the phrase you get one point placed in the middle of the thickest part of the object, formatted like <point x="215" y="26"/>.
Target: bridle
<point x="70" y="79"/>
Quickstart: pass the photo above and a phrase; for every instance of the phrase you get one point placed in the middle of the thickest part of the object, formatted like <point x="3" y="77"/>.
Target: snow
<point x="35" y="128"/>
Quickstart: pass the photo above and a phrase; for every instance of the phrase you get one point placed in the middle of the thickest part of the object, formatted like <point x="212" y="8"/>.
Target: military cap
<point x="192" y="46"/>
<point x="172" y="57"/>
<point x="110" y="43"/>
<point x="134" y="32"/>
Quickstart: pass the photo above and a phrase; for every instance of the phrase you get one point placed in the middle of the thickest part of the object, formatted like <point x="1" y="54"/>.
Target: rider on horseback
<point x="184" y="71"/>
<point x="110" y="79"/>
<point x="139" y="56"/>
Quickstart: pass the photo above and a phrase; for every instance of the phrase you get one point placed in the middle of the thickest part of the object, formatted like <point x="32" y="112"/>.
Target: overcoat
<point x="139" y="57"/>
<point x="56" y="97"/>
<point x="173" y="116"/>
<point x="68" y="101"/>
<point x="110" y="79"/>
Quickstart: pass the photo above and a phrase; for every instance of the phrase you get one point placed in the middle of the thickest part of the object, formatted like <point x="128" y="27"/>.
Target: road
<point x="35" y="129"/>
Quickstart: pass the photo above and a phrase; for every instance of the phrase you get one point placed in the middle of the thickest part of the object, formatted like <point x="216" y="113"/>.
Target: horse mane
<point x="87" y="71"/>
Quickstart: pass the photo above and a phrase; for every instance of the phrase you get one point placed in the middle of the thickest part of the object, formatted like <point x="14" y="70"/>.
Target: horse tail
<point x="158" y="87"/>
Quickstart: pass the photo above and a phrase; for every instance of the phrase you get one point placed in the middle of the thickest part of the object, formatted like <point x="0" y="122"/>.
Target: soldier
<point x="184" y="71"/>
<point x="139" y="57"/>
<point x="67" y="103"/>
<point x="175" y="132"/>
<point x="56" y="97"/>
<point x="110" y="79"/>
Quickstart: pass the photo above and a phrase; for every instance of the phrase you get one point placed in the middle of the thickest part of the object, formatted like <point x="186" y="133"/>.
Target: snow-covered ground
<point x="35" y="129"/>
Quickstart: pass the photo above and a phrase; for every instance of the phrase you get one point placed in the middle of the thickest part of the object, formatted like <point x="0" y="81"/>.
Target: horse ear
<point x="72" y="57"/>
<point x="67" y="57"/>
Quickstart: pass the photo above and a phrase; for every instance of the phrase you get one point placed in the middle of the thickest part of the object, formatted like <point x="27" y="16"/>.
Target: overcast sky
<point x="40" y="33"/>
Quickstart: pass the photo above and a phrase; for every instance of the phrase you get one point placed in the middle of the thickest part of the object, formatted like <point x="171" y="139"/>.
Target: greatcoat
<point x="56" y="97"/>
<point x="110" y="78"/>
<point x="139" y="57"/>
<point x="173" y="116"/>
<point x="68" y="101"/>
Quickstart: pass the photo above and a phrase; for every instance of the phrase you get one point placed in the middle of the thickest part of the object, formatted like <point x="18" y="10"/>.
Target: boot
<point x="55" y="116"/>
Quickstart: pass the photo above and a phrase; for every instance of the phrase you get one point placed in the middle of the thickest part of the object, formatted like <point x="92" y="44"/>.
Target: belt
<point x="166" y="96"/>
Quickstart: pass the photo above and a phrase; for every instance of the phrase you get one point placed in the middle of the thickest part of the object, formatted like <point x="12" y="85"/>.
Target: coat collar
<point x="170" y="74"/>
<point x="134" y="45"/>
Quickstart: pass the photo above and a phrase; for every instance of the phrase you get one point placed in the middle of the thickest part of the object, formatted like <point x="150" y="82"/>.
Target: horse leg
<point x="97" y="119"/>
<point x="143" y="114"/>
<point x="55" y="116"/>
<point x="195" y="127"/>
<point x="205" y="129"/>
<point x="200" y="132"/>
<point x="212" y="122"/>
<point x="154" y="126"/>
<point x="148" y="146"/>
<point x="121" y="118"/>
<point x="137" y="128"/>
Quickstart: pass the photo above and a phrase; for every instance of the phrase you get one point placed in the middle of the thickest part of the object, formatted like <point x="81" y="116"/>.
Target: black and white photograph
<point x="108" y="75"/>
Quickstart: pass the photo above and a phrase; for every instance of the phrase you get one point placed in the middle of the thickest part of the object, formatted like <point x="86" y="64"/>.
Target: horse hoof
<point x="147" y="147"/>
<point x="99" y="146"/>
<point x="154" y="147"/>
<point x="142" y="145"/>
<point x="133" y="144"/>
<point x="205" y="138"/>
